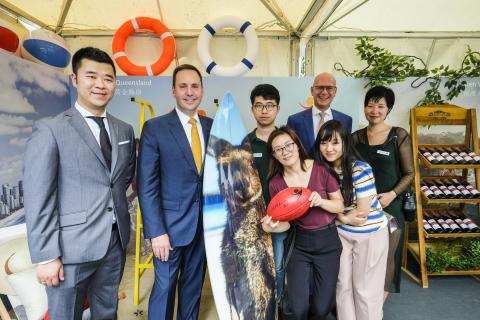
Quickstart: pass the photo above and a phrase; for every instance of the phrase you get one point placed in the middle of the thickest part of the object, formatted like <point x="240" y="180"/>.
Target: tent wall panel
<point x="445" y="51"/>
<point x="272" y="60"/>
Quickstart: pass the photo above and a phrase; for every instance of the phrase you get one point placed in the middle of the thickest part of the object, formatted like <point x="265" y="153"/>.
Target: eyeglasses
<point x="327" y="88"/>
<point x="288" y="147"/>
<point x="267" y="106"/>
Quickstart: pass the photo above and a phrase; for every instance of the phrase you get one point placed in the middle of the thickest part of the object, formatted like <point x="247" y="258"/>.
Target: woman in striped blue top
<point x="362" y="229"/>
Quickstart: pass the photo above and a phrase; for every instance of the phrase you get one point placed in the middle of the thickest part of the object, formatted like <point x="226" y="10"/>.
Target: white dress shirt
<point x="316" y="119"/>
<point x="187" y="127"/>
<point x="94" y="127"/>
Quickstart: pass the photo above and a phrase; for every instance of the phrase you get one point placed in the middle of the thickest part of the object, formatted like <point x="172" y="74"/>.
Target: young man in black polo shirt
<point x="265" y="100"/>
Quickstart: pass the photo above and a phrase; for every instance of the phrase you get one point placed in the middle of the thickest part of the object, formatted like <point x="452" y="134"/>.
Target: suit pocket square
<point x="123" y="142"/>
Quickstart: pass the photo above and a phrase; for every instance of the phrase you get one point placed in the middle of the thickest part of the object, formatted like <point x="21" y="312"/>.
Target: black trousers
<point x="311" y="273"/>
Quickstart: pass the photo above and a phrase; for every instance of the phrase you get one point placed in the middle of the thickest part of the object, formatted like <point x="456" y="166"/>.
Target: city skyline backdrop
<point x="11" y="199"/>
<point x="29" y="92"/>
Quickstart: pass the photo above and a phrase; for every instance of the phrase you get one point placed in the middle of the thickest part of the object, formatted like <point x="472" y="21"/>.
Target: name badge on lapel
<point x="257" y="155"/>
<point x="385" y="153"/>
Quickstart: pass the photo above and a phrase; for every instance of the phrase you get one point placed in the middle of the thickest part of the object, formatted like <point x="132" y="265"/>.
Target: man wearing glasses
<point x="307" y="123"/>
<point x="265" y="100"/>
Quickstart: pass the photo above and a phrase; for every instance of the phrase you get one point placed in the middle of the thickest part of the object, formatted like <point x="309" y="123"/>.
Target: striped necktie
<point x="322" y="119"/>
<point x="196" y="145"/>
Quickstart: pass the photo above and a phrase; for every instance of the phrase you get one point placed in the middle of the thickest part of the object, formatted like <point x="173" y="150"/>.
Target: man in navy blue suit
<point x="170" y="170"/>
<point x="307" y="123"/>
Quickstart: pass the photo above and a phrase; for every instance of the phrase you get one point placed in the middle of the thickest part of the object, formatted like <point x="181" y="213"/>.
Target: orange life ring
<point x="132" y="26"/>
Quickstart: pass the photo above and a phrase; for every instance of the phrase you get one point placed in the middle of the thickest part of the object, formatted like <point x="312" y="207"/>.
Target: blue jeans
<point x="277" y="242"/>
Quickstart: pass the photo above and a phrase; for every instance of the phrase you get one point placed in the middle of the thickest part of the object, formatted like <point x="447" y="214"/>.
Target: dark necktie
<point x="104" y="141"/>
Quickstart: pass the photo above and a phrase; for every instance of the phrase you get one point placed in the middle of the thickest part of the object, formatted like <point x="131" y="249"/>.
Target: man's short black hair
<point x="93" y="54"/>
<point x="266" y="91"/>
<point x="185" y="67"/>
<point x="379" y="92"/>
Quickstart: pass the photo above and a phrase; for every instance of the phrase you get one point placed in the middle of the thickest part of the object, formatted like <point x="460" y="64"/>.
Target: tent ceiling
<point x="177" y="15"/>
<point x="103" y="17"/>
<point x="412" y="16"/>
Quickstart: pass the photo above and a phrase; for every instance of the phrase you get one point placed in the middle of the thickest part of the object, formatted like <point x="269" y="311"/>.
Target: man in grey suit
<point x="77" y="168"/>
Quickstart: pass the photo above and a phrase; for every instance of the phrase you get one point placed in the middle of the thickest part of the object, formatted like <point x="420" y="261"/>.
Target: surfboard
<point x="239" y="253"/>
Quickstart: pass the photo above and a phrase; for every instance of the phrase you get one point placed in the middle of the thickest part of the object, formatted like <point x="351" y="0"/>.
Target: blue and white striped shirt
<point x="363" y="187"/>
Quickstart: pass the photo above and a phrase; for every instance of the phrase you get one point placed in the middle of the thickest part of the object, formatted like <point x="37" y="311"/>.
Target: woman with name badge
<point x="388" y="150"/>
<point x="312" y="253"/>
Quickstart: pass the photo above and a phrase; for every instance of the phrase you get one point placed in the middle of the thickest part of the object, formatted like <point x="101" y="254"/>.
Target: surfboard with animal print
<point x="239" y="252"/>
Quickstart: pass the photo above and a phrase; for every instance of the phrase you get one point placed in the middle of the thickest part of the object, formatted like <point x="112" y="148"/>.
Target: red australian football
<point x="289" y="204"/>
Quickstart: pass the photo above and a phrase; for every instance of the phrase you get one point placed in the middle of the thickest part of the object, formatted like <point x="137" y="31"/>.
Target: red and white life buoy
<point x="132" y="26"/>
<point x="12" y="34"/>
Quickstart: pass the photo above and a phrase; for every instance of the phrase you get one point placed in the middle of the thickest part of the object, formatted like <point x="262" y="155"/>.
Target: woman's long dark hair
<point x="327" y="132"/>
<point x="275" y="167"/>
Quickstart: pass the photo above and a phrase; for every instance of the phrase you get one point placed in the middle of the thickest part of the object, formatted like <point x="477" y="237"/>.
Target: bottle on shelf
<point x="427" y="227"/>
<point x="463" y="226"/>
<point x="471" y="225"/>
<point x="466" y="194"/>
<point x="433" y="223"/>
<point x="426" y="190"/>
<point x="438" y="193"/>
<point x="456" y="193"/>
<point x="472" y="154"/>
<point x="464" y="155"/>
<point x="455" y="155"/>
<point x="475" y="193"/>
<point x="445" y="216"/>
<point x="445" y="226"/>
<point x="443" y="188"/>
<point x="437" y="155"/>
<point x="446" y="155"/>
<point x="426" y="153"/>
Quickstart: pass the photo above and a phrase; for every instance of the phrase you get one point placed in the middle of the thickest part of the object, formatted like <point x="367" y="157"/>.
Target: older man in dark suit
<point x="307" y="123"/>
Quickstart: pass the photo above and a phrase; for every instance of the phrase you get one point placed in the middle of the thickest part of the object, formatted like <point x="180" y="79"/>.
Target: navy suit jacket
<point x="302" y="123"/>
<point x="169" y="186"/>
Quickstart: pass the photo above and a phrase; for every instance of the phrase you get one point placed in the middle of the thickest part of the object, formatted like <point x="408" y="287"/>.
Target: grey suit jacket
<point x="70" y="194"/>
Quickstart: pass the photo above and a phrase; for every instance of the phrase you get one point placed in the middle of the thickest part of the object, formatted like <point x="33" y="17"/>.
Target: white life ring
<point x="209" y="31"/>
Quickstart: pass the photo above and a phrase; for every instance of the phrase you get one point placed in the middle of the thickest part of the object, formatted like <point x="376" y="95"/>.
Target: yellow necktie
<point x="196" y="145"/>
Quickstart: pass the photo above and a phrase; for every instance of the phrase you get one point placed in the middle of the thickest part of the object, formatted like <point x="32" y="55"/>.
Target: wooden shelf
<point x="430" y="165"/>
<point x="455" y="273"/>
<point x="429" y="116"/>
<point x="427" y="200"/>
<point x="413" y="248"/>
<point x="450" y="235"/>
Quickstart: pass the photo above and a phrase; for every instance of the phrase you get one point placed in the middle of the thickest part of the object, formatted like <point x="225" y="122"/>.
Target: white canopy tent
<point x="300" y="37"/>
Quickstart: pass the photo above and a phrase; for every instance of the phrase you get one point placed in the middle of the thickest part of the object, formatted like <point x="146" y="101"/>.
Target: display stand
<point x="445" y="115"/>
<point x="3" y="312"/>
<point x="140" y="267"/>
